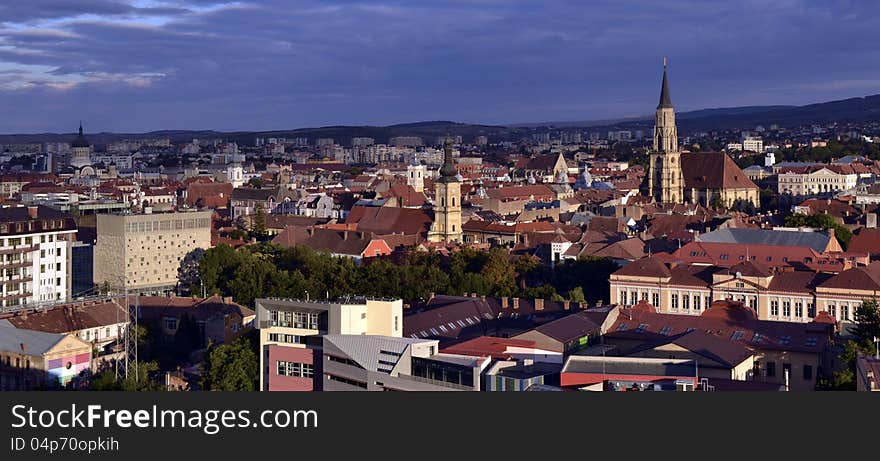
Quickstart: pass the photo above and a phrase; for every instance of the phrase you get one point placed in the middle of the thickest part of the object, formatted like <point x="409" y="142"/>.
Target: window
<point x="737" y="335"/>
<point x="396" y="323"/>
<point x="786" y="308"/>
<point x="708" y="301"/>
<point x="623" y="296"/>
<point x="686" y="302"/>
<point x="832" y="309"/>
<point x="844" y="312"/>
<point x="786" y="369"/>
<point x="641" y="328"/>
<point x="298" y="370"/>
<point x="774" y="308"/>
<point x="799" y="309"/>
<point x="170" y="324"/>
<point x="696" y="303"/>
<point x="655" y="299"/>
<point x="634" y="297"/>
<point x="771" y="369"/>
<point x="808" y="372"/>
<point x="675" y="301"/>
<point x="785" y="340"/>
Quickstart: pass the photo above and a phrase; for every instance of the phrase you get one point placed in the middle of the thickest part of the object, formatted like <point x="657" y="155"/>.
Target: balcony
<point x="15" y="264"/>
<point x="19" y="249"/>
<point x="14" y="296"/>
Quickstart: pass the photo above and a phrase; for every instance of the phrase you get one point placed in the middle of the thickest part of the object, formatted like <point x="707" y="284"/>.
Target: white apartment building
<point x="35" y="255"/>
<point x="142" y="252"/>
<point x="753" y="145"/>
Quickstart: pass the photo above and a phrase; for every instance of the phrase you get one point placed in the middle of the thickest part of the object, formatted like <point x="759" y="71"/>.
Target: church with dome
<point x="80" y="151"/>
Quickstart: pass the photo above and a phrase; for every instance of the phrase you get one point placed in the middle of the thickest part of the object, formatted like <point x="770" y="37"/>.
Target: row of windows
<point x="282" y="338"/>
<point x="350" y="382"/>
<point x="18" y="362"/>
<point x="686" y="302"/>
<point x="787" y="308"/>
<point x="167" y="224"/>
<point x="306" y="320"/>
<point x="770" y="370"/>
<point x="298" y="370"/>
<point x="26" y="240"/>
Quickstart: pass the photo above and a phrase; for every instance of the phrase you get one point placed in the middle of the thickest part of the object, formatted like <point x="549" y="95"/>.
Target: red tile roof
<point x="713" y="170"/>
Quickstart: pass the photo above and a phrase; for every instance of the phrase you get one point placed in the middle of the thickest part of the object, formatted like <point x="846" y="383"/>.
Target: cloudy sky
<point x="140" y="65"/>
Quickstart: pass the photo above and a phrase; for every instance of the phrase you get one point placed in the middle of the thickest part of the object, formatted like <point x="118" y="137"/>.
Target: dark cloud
<point x="142" y="65"/>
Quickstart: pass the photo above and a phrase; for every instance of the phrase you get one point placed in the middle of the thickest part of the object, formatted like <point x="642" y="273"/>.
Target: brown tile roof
<point x="157" y="307"/>
<point x="858" y="278"/>
<point x="391" y="220"/>
<point x="713" y="170"/>
<point x="727" y="320"/>
<point x="210" y="195"/>
<point x="646" y="267"/>
<point x="866" y="240"/>
<point x="535" y="191"/>
<point x="723" y="351"/>
<point x="570" y="327"/>
<point x="71" y="317"/>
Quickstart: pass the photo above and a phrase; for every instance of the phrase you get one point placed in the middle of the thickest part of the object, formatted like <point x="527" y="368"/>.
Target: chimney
<point x="503" y="301"/>
<point x="473" y="295"/>
<point x="566" y="305"/>
<point x="871" y="220"/>
<point x="539" y="304"/>
<point x="32" y="212"/>
<point x="227" y="300"/>
<point x="599" y="303"/>
<point x="514" y="303"/>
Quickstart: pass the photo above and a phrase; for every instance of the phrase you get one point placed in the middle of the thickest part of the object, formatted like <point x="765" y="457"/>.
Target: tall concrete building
<point x="665" y="180"/>
<point x="447" y="201"/>
<point x="35" y="255"/>
<point x="142" y="252"/>
<point x="291" y="332"/>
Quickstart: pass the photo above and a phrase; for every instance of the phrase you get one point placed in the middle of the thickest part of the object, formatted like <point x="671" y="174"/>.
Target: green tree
<point x="867" y="318"/>
<point x="258" y="228"/>
<point x="232" y="367"/>
<point x="744" y="206"/>
<point x="500" y="273"/>
<point x="821" y="221"/>
<point x="144" y="379"/>
<point x="576" y="295"/>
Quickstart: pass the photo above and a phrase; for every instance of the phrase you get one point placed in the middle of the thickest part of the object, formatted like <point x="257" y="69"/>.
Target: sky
<point x="143" y="65"/>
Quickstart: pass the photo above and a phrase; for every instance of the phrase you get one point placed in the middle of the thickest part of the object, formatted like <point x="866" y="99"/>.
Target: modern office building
<point x="35" y="249"/>
<point x="291" y="331"/>
<point x="384" y="363"/>
<point x="142" y="252"/>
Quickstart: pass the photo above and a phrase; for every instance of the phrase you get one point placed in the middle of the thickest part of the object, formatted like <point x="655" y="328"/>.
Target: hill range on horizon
<point x="854" y="110"/>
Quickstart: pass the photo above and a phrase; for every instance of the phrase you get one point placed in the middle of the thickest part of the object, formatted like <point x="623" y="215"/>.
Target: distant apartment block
<point x="291" y="331"/>
<point x="35" y="255"/>
<point x="143" y="252"/>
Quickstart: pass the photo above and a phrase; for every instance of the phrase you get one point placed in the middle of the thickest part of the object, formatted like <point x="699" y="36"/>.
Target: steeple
<point x="447" y="171"/>
<point x="80" y="128"/>
<point x="665" y="99"/>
